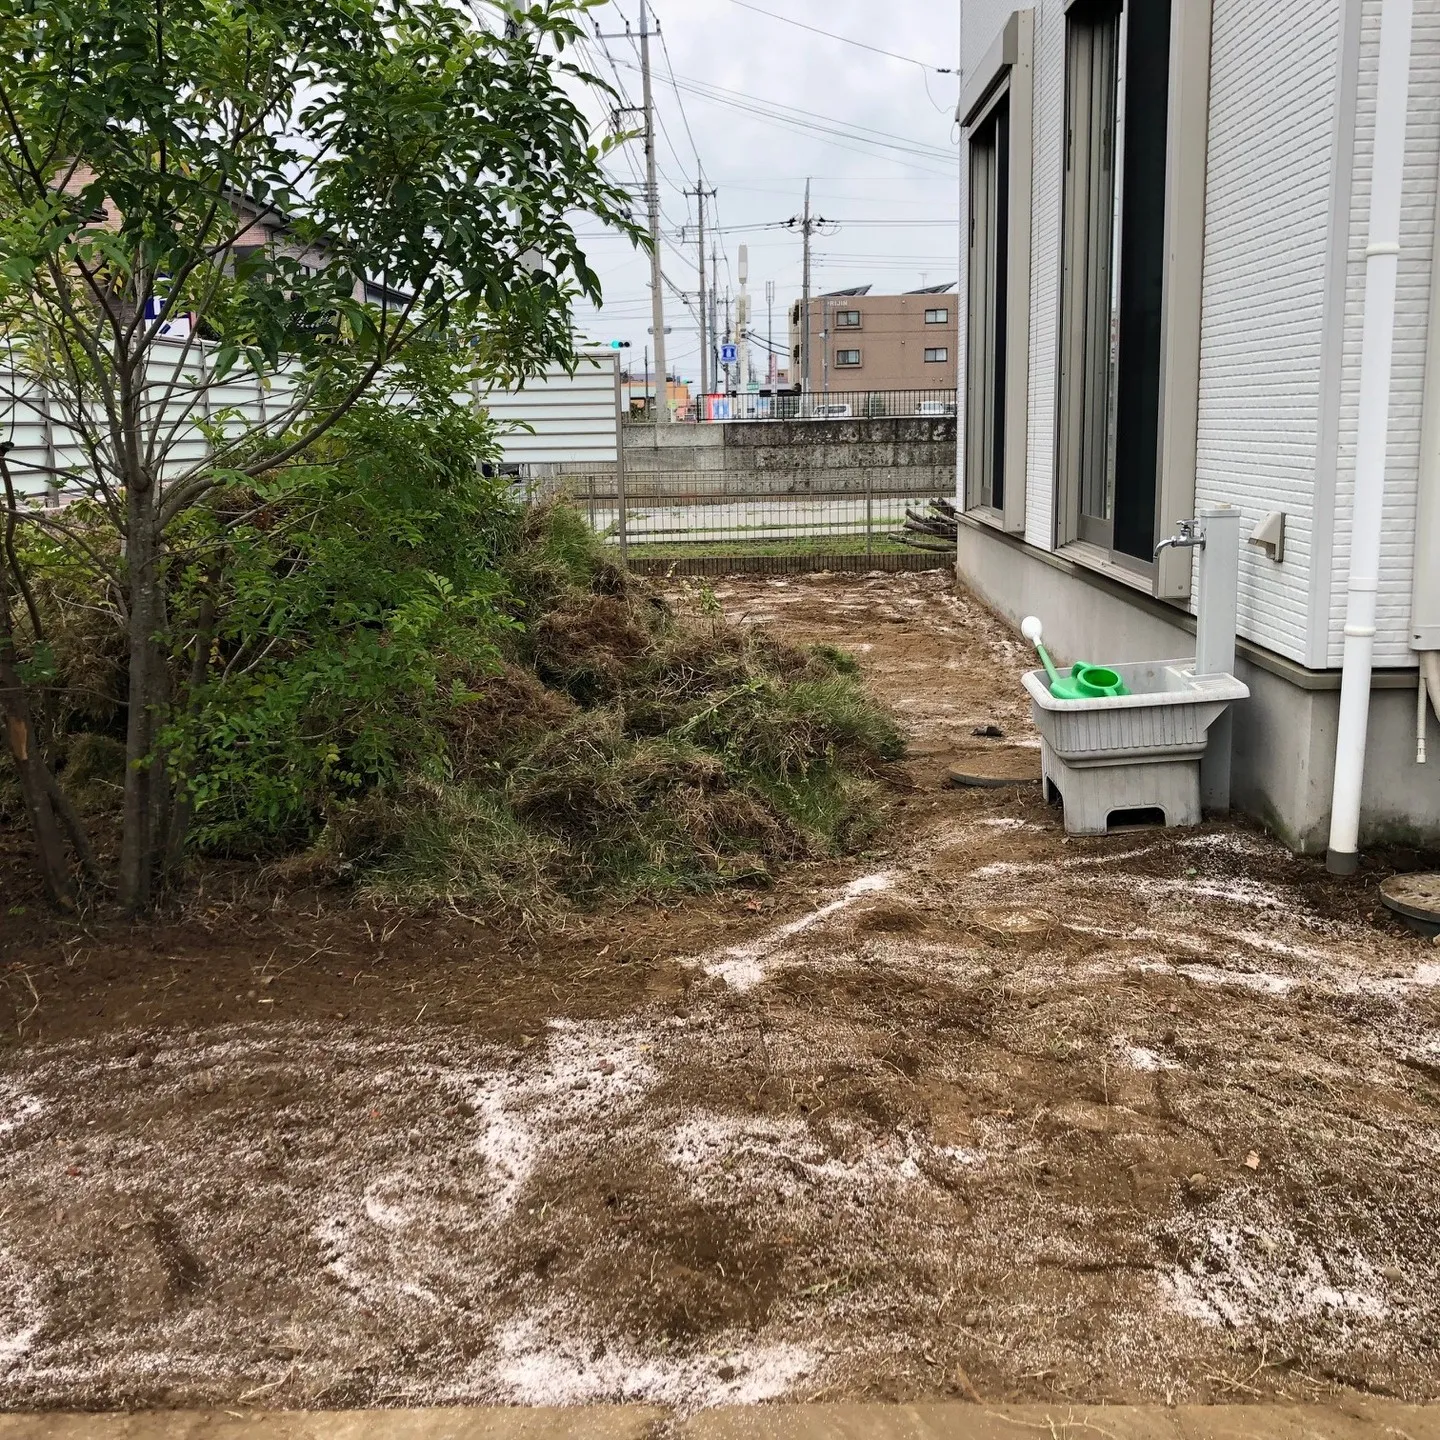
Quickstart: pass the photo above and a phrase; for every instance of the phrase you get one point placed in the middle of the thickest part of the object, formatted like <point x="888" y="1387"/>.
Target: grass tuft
<point x="624" y="751"/>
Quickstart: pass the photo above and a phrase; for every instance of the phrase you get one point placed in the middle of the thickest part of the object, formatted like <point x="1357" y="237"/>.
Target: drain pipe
<point x="1382" y="263"/>
<point x="1425" y="605"/>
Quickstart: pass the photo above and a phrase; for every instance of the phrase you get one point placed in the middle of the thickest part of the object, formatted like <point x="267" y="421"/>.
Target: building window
<point x="938" y="355"/>
<point x="847" y="358"/>
<point x="847" y="319"/>
<point x="1112" y="274"/>
<point x="937" y="317"/>
<point x="987" y="272"/>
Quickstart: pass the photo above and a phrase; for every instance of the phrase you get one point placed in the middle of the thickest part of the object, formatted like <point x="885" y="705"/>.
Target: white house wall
<point x="1422" y="157"/>
<point x="1277" y="98"/>
<point x="1273" y="91"/>
<point x="1045" y="216"/>
<point x="981" y="22"/>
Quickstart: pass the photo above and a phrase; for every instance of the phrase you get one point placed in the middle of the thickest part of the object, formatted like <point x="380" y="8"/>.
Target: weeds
<point x="624" y="751"/>
<point x="573" y="738"/>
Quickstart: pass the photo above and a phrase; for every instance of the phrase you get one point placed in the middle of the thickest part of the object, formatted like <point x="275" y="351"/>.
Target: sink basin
<point x="1134" y="754"/>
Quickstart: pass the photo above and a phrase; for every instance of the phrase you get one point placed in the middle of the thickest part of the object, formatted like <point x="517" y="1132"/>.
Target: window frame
<point x="938" y="316"/>
<point x="937" y="355"/>
<point x="844" y="322"/>
<point x="842" y="364"/>
<point x="1183" y="224"/>
<point x="1007" y="72"/>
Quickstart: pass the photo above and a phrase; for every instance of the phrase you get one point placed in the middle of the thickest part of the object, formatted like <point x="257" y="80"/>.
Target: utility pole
<point x="825" y="309"/>
<point x="657" y="280"/>
<point x="652" y="196"/>
<point x="743" y="316"/>
<point x="648" y="404"/>
<point x="805" y="299"/>
<point x="714" y="316"/>
<point x="729" y="339"/>
<point x="701" y="194"/>
<point x="770" y="369"/>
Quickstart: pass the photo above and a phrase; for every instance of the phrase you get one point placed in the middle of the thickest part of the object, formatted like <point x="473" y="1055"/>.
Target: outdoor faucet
<point x="1190" y="536"/>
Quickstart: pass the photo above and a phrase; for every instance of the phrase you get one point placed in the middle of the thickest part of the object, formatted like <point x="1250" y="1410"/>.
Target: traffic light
<point x="619" y="344"/>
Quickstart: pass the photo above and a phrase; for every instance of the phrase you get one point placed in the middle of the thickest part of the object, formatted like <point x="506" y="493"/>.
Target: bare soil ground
<point x="987" y="1113"/>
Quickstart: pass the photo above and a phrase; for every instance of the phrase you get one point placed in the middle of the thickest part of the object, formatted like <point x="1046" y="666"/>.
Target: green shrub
<point x="421" y="687"/>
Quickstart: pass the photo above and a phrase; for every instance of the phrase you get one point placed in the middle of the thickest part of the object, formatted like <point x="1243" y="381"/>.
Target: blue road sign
<point x="729" y="354"/>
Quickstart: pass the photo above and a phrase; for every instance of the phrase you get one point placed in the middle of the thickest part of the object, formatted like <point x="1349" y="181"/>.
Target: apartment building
<point x="861" y="341"/>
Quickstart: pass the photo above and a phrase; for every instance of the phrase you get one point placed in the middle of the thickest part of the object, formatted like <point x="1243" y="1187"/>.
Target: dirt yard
<point x="986" y="1114"/>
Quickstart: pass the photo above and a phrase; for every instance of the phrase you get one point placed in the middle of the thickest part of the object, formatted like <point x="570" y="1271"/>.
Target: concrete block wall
<point x="799" y="458"/>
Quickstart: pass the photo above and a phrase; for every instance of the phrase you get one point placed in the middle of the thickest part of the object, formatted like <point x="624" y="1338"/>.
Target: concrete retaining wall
<point x="798" y="458"/>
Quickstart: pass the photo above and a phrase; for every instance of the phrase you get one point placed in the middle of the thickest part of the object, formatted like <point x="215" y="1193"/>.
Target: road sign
<point x="729" y="354"/>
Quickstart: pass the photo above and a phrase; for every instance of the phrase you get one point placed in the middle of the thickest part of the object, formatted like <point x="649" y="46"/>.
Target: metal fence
<point x="829" y="495"/>
<point x="821" y="405"/>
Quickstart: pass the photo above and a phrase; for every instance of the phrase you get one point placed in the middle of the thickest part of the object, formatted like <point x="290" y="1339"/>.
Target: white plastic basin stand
<point x="1142" y="753"/>
<point x="1130" y="754"/>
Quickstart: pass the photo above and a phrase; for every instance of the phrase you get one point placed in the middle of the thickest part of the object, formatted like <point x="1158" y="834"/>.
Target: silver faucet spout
<point x="1189" y="536"/>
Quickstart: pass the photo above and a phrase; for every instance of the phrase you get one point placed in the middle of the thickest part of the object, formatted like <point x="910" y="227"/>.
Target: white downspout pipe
<point x="1382" y="263"/>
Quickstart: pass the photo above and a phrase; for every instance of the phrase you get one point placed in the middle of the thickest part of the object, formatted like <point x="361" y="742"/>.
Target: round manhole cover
<point x="1009" y="921"/>
<point x="1416" y="898"/>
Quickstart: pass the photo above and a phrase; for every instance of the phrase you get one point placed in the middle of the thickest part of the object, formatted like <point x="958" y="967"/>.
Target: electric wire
<point x="844" y="39"/>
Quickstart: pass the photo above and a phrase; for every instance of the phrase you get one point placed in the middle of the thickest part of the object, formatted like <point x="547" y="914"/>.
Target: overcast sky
<point x="893" y="196"/>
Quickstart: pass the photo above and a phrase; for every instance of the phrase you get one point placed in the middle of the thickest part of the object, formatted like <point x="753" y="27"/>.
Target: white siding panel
<point x="1422" y="154"/>
<point x="556" y="417"/>
<point x="981" y="22"/>
<point x="1273" y="88"/>
<point x="571" y="419"/>
<point x="1046" y="206"/>
<point x="1416" y="239"/>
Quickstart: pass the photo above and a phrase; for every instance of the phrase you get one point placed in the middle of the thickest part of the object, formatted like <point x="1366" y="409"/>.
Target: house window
<point x="847" y="319"/>
<point x="1112" y="275"/>
<point x="847" y="358"/>
<point x="937" y="317"/>
<point x="988" y="260"/>
<point x="938" y="355"/>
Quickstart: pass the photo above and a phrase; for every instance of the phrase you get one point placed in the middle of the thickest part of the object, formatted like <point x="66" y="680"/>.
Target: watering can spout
<point x="1084" y="682"/>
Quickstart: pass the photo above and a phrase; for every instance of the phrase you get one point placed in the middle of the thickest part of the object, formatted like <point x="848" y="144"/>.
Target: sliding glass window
<point x="1112" y="273"/>
<point x="988" y="281"/>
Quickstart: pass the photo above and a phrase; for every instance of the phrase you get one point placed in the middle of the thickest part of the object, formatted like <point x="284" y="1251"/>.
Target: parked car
<point x="935" y="407"/>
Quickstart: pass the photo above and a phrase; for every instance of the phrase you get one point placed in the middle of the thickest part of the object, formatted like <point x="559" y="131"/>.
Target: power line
<point x="670" y="68"/>
<point x="827" y="127"/>
<point x="844" y="39"/>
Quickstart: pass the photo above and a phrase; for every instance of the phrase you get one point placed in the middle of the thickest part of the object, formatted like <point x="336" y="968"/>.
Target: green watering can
<point x="1084" y="682"/>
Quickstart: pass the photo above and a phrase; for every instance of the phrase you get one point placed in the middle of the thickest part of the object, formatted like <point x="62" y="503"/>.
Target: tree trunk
<point x="145" y="701"/>
<point x="30" y="766"/>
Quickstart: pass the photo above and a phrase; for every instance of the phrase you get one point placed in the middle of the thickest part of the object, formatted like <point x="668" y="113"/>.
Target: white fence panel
<point x="554" y="418"/>
<point x="571" y="419"/>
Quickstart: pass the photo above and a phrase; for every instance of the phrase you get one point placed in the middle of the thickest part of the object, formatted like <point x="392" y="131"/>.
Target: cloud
<point x="896" y="212"/>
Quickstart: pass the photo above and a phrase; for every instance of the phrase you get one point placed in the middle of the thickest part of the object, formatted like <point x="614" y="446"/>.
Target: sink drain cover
<point x="1417" y="899"/>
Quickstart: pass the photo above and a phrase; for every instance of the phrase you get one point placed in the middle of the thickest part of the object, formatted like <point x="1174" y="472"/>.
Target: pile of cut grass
<point x="623" y="750"/>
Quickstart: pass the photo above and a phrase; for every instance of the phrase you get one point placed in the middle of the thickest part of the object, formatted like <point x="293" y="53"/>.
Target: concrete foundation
<point x="1284" y="735"/>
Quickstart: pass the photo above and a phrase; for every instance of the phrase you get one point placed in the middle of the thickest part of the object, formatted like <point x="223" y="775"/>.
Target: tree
<point x="296" y="192"/>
